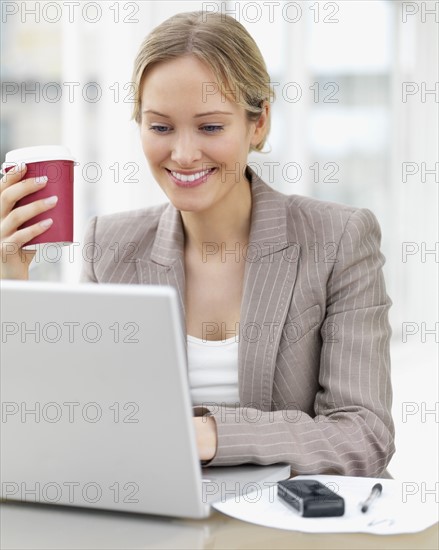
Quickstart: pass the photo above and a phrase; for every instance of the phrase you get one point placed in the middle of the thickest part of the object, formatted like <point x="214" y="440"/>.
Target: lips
<point x="191" y="176"/>
<point x="188" y="180"/>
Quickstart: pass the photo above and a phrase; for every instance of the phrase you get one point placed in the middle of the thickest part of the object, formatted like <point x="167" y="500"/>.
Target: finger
<point x="14" y="193"/>
<point x="18" y="239"/>
<point x="13" y="175"/>
<point x="22" y="214"/>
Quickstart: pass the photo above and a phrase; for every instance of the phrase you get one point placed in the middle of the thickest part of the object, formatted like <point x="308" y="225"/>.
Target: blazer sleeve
<point x="352" y="432"/>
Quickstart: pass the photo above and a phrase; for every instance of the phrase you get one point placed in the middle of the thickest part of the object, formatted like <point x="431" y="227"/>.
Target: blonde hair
<point x="224" y="45"/>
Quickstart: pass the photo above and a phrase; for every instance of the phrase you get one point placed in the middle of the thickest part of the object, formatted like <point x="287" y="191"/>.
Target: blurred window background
<point x="355" y="121"/>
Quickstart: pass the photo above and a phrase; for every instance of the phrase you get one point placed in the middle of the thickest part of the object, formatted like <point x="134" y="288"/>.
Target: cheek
<point x="152" y="148"/>
<point x="228" y="146"/>
<point x="226" y="143"/>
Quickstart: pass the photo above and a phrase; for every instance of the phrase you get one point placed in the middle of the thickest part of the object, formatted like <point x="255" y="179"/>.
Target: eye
<point x="211" y="129"/>
<point x="158" y="129"/>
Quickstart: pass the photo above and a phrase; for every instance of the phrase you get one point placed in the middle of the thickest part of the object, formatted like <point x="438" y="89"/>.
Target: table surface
<point x="45" y="527"/>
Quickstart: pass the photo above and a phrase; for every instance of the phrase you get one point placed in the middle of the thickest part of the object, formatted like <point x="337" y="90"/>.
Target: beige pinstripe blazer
<point x="313" y="357"/>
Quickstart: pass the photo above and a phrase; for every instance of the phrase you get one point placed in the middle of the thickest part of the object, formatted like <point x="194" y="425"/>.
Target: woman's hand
<point x="205" y="429"/>
<point x="14" y="261"/>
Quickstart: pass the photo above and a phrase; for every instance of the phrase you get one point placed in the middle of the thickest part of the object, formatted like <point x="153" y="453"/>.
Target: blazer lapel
<point x="269" y="277"/>
<point x="165" y="266"/>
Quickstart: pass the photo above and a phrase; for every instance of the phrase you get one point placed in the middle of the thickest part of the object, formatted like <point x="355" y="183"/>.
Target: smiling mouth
<point x="190" y="180"/>
<point x="185" y="178"/>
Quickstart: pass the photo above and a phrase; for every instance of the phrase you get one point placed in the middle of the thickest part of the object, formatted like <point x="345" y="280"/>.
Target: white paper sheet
<point x="403" y="507"/>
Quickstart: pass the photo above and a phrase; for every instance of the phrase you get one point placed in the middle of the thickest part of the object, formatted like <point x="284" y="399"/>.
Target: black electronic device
<point x="310" y="498"/>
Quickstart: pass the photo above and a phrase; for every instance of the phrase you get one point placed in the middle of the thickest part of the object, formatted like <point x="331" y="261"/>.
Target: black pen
<point x="375" y="493"/>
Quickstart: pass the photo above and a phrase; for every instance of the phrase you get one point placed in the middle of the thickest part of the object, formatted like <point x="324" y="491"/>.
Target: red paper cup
<point x="57" y="163"/>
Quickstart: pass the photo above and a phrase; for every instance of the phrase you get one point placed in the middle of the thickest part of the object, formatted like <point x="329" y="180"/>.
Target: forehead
<point x="183" y="83"/>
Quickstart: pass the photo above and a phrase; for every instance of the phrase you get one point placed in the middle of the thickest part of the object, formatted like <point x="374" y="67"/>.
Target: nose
<point x="185" y="150"/>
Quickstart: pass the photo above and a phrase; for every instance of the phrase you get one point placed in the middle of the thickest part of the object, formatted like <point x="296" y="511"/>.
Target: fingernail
<point x="46" y="223"/>
<point x="51" y="200"/>
<point x="40" y="180"/>
<point x="18" y="167"/>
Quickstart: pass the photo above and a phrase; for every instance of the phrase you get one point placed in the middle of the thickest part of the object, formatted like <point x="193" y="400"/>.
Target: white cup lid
<point x="37" y="153"/>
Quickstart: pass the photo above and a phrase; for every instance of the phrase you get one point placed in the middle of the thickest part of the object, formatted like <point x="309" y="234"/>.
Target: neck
<point x="223" y="228"/>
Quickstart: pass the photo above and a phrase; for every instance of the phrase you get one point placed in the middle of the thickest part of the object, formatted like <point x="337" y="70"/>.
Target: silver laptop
<point x="95" y="403"/>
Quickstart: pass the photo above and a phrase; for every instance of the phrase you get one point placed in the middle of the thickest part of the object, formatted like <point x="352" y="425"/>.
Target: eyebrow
<point x="195" y="116"/>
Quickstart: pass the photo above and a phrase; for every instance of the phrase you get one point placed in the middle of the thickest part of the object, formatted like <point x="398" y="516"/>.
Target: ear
<point x="260" y="126"/>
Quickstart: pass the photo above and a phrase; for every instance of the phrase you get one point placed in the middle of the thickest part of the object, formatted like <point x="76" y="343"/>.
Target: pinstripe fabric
<point x="313" y="357"/>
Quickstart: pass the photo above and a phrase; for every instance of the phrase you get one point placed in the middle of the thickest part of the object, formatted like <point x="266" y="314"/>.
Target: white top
<point x="213" y="370"/>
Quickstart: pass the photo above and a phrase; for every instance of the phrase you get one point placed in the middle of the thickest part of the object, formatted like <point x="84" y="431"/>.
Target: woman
<point x="282" y="297"/>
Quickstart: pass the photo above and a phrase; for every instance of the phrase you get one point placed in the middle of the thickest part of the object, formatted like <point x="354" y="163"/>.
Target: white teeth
<point x="192" y="177"/>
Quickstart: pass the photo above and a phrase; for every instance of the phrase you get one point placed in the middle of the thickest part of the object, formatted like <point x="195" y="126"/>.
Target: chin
<point x="186" y="206"/>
